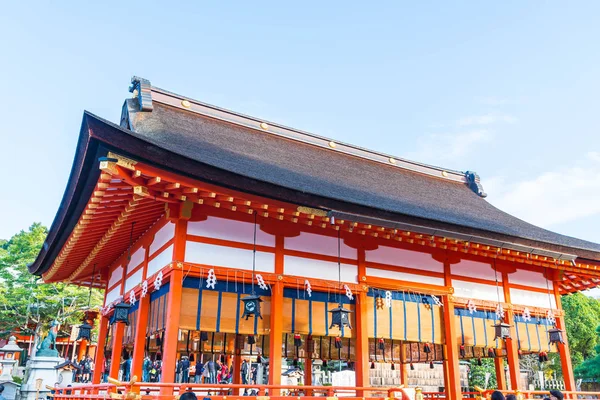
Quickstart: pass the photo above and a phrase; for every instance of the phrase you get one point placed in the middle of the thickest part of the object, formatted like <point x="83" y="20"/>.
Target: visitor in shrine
<point x="199" y="371"/>
<point x="146" y="367"/>
<point x="244" y="372"/>
<point x="496" y="395"/>
<point x="211" y="367"/>
<point x="185" y="369"/>
<point x="556" y="395"/>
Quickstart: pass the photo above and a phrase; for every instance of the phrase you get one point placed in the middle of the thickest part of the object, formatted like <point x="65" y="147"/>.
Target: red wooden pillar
<point x="451" y="364"/>
<point x="117" y="348"/>
<point x="563" y="349"/>
<point x="174" y="307"/>
<point x="276" y="336"/>
<point x="362" y="335"/>
<point x="512" y="344"/>
<point x="82" y="347"/>
<point x="103" y="332"/>
<point x="500" y="374"/>
<point x="139" y="348"/>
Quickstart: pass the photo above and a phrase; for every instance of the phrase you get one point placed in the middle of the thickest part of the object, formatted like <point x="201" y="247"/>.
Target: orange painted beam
<point x="276" y="336"/>
<point x="174" y="307"/>
<point x="117" y="349"/>
<point x="563" y="349"/>
<point x="99" y="357"/>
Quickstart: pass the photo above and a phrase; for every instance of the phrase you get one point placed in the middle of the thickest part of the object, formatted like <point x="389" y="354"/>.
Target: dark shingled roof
<point x="405" y="195"/>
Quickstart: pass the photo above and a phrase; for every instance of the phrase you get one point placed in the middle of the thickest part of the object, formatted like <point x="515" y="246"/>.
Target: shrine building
<point x="220" y="236"/>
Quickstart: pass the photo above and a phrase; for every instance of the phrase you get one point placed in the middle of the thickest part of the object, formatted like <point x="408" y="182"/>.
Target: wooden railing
<point x="150" y="391"/>
<point x="540" y="394"/>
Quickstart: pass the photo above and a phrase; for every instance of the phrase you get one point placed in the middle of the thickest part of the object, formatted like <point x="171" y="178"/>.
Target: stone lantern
<point x="9" y="361"/>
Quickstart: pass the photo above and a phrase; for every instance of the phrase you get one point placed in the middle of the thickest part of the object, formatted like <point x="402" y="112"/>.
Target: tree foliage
<point x="478" y="372"/>
<point x="24" y="299"/>
<point x="590" y="368"/>
<point x="582" y="315"/>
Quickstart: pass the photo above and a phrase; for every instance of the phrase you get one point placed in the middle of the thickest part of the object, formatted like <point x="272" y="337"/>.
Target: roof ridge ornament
<point x="474" y="183"/>
<point x="142" y="90"/>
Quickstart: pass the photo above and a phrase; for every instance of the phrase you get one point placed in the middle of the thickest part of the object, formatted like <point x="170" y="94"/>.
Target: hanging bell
<point x="543" y="356"/>
<point x="204" y="336"/>
<point x="491" y="352"/>
<point x="324" y="363"/>
<point x="393" y="367"/>
<point x="297" y="340"/>
<point x="462" y="351"/>
<point x="310" y="344"/>
<point x="479" y="362"/>
<point x="520" y="353"/>
<point x="412" y="367"/>
<point x="372" y="365"/>
<point x="426" y="348"/>
<point x="295" y="363"/>
<point x="381" y="344"/>
<point x="338" y="342"/>
<point x="251" y="339"/>
<point x="431" y="365"/>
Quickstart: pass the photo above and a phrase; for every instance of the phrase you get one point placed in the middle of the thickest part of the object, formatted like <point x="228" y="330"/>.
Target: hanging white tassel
<point x="471" y="306"/>
<point x="308" y="288"/>
<point x="348" y="292"/>
<point x="388" y="299"/>
<point x="144" y="289"/>
<point x="211" y="280"/>
<point x="261" y="282"/>
<point x="526" y="315"/>
<point x="132" y="298"/>
<point x="500" y="311"/>
<point x="437" y="301"/>
<point x="550" y="317"/>
<point x="158" y="281"/>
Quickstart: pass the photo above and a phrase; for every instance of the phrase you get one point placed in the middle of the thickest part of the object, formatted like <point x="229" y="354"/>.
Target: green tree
<point x="477" y="373"/>
<point x="582" y="315"/>
<point x="24" y="299"/>
<point x="590" y="368"/>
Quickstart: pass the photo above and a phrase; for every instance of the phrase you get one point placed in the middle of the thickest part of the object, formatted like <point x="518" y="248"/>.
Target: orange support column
<point x="512" y="344"/>
<point x="117" y="349"/>
<point x="174" y="307"/>
<point x="362" y="341"/>
<point x="139" y="349"/>
<point x="403" y="366"/>
<point x="500" y="373"/>
<point x="276" y="336"/>
<point x="563" y="349"/>
<point x="99" y="362"/>
<point x="452" y="368"/>
<point x="83" y="344"/>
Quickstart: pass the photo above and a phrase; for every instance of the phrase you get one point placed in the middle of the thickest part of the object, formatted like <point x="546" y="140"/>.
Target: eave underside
<point x="130" y="197"/>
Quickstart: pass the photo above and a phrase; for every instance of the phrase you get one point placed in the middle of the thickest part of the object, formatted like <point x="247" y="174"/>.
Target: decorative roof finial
<point x="475" y="183"/>
<point x="141" y="88"/>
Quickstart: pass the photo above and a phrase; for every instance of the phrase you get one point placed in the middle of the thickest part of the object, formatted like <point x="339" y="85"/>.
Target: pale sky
<point x="508" y="89"/>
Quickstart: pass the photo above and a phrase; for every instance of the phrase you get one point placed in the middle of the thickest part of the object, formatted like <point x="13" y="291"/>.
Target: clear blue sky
<point x="508" y="89"/>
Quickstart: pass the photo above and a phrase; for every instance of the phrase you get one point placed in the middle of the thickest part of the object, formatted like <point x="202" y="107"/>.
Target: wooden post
<point x="174" y="308"/>
<point x="512" y="344"/>
<point x="81" y="351"/>
<point x="99" y="361"/>
<point x="139" y="347"/>
<point x="452" y="367"/>
<point x="362" y="336"/>
<point x="500" y="374"/>
<point x="276" y="336"/>
<point x="117" y="349"/>
<point x="404" y="367"/>
<point x="563" y="349"/>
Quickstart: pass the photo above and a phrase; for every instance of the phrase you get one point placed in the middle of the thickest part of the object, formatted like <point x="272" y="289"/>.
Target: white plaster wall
<point x="136" y="259"/>
<point x="319" y="244"/>
<point x="404" y="258"/>
<point x="227" y="229"/>
<point x="475" y="269"/>
<point x="222" y="256"/>
<point x="477" y="291"/>
<point x="113" y="295"/>
<point x="403" y="276"/>
<point x="160" y="261"/>
<point x="533" y="299"/>
<point x="319" y="269"/>
<point x="529" y="278"/>
<point x="115" y="276"/>
<point x="134" y="280"/>
<point x="161" y="237"/>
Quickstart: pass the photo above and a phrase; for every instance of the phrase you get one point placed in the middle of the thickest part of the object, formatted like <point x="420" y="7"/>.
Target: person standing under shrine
<point x="185" y="369"/>
<point x="177" y="371"/>
<point x="146" y="367"/>
<point x="211" y="367"/>
<point x="199" y="371"/>
<point x="126" y="369"/>
<point x="244" y="372"/>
